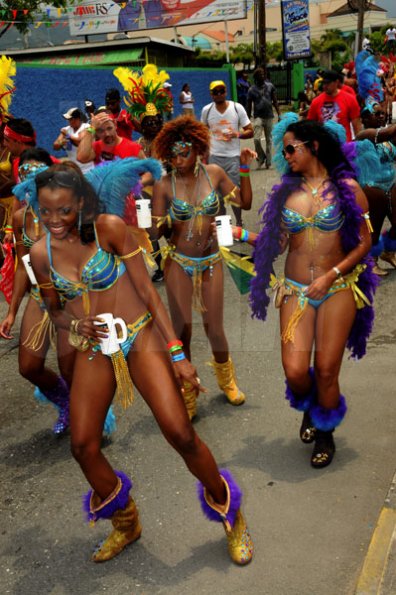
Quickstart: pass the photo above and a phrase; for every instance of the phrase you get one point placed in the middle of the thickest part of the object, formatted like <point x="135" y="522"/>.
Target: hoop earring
<point x="197" y="166"/>
<point x="79" y="221"/>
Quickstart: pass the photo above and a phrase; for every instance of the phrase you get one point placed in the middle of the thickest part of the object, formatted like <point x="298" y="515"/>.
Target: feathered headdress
<point x="7" y="71"/>
<point x="146" y="95"/>
<point x="369" y="82"/>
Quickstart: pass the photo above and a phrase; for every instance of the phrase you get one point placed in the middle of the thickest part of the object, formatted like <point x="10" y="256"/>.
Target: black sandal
<point x="324" y="449"/>
<point x="307" y="430"/>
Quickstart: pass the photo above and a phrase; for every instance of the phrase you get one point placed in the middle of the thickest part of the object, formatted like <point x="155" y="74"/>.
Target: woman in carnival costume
<point x="187" y="199"/>
<point x="92" y="263"/>
<point x="380" y="187"/>
<point x="7" y="72"/>
<point x="325" y="297"/>
<point x="148" y="101"/>
<point x="37" y="332"/>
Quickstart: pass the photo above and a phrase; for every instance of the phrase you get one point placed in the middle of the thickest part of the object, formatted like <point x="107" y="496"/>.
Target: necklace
<point x="314" y="189"/>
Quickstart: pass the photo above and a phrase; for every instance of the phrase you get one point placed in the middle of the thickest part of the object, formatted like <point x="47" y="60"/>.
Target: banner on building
<point x="295" y="28"/>
<point x="90" y="16"/>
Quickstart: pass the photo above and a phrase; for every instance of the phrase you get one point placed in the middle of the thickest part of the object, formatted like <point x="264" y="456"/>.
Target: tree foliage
<point x="27" y="12"/>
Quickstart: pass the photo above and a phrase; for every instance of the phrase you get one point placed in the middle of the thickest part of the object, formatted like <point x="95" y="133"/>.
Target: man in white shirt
<point x="69" y="137"/>
<point x="390" y="39"/>
<point x="228" y="122"/>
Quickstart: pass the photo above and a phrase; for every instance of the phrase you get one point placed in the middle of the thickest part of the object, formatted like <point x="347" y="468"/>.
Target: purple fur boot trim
<point x="378" y="248"/>
<point x="302" y="402"/>
<point x="327" y="419"/>
<point x="235" y="500"/>
<point x="389" y="243"/>
<point x="60" y="397"/>
<point x="115" y="501"/>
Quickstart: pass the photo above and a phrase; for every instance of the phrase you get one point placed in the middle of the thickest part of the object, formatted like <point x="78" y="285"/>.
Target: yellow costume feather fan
<point x="7" y="71"/>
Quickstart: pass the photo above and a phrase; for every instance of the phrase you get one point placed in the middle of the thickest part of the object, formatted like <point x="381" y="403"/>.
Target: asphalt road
<point x="311" y="528"/>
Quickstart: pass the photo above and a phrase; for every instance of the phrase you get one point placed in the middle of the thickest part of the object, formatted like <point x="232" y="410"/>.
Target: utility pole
<point x="360" y="23"/>
<point x="262" y="41"/>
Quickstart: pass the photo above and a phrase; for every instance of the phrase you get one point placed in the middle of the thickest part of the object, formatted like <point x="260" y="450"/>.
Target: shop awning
<point x="110" y="58"/>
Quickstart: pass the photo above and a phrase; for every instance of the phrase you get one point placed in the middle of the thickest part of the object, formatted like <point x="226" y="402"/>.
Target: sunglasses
<point x="291" y="149"/>
<point x="219" y="91"/>
<point x="62" y="179"/>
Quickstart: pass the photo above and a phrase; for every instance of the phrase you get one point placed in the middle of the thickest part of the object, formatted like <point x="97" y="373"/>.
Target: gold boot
<point x="225" y="374"/>
<point x="240" y="544"/>
<point x="377" y="270"/>
<point x="190" y="395"/>
<point x="389" y="257"/>
<point x="127" y="529"/>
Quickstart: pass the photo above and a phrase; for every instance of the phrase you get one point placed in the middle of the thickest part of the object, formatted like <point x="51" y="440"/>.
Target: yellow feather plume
<point x="126" y="77"/>
<point x="7" y="71"/>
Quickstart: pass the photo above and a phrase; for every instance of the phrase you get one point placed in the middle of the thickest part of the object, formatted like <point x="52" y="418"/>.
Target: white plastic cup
<point x="143" y="211"/>
<point x="224" y="230"/>
<point x="111" y="343"/>
<point x="29" y="269"/>
<point x="393" y="112"/>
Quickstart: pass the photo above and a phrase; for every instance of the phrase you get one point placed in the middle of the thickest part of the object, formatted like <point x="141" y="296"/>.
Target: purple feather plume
<point x="118" y="502"/>
<point x="235" y="500"/>
<point x="328" y="419"/>
<point x="302" y="402"/>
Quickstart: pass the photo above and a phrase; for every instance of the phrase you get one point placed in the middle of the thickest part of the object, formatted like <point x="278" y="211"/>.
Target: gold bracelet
<point x="75" y="340"/>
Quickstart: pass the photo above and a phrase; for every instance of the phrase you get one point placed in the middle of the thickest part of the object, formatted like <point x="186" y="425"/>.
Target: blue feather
<point x="113" y="181"/>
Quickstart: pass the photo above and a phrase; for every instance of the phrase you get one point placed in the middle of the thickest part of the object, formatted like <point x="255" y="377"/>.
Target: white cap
<point x="167" y="85"/>
<point x="73" y="112"/>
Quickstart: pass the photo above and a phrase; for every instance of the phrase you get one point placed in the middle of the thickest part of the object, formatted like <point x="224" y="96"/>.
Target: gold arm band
<point x="366" y="217"/>
<point x="228" y="198"/>
<point x="46" y="286"/>
<point x="124" y="256"/>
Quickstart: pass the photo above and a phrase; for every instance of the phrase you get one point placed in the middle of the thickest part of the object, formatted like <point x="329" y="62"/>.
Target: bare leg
<point x="334" y="322"/>
<point x="213" y="297"/>
<point x="179" y="290"/>
<point x="161" y="393"/>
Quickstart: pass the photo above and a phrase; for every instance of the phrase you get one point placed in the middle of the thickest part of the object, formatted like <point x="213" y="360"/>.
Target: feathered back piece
<point x="277" y="139"/>
<point x="114" y="180"/>
<point x="26" y="190"/>
<point x="369" y="82"/>
<point x="7" y="71"/>
<point x="146" y="95"/>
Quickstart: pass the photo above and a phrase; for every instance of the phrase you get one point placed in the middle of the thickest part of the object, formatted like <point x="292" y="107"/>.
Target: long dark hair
<point x="67" y="175"/>
<point x="329" y="151"/>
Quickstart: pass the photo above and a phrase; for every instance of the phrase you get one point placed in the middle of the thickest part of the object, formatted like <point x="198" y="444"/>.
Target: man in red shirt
<point x="333" y="104"/>
<point x="109" y="145"/>
<point x="121" y="117"/>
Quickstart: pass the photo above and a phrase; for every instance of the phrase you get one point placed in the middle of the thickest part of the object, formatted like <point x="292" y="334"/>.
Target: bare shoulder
<point x="109" y="224"/>
<point x="38" y="251"/>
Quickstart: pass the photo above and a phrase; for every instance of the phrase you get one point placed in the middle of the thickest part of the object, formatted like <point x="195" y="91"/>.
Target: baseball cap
<point x="167" y="85"/>
<point x="73" y="112"/>
<point x="215" y="84"/>
<point x="330" y="75"/>
<point x="88" y="103"/>
<point x="112" y="94"/>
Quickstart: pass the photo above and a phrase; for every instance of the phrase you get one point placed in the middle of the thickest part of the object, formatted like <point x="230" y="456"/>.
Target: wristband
<point x="244" y="167"/>
<point x="8" y="228"/>
<point x="244" y="174"/>
<point x="178" y="357"/>
<point x="91" y="129"/>
<point x="337" y="272"/>
<point x="175" y="348"/>
<point x="238" y="233"/>
<point x="174" y="343"/>
<point x="244" y="235"/>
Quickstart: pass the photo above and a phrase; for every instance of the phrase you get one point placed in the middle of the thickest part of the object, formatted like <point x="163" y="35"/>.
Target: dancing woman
<point x="92" y="264"/>
<point x="326" y="294"/>
<point x="36" y="328"/>
<point x="187" y="199"/>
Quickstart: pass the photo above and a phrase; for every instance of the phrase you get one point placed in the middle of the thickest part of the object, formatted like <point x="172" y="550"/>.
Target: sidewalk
<point x="378" y="575"/>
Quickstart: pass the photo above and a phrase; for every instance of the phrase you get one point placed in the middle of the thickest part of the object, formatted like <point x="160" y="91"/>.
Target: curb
<point x="378" y="574"/>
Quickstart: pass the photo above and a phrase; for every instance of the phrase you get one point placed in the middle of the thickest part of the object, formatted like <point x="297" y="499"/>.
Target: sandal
<point x="307" y="430"/>
<point x="324" y="449"/>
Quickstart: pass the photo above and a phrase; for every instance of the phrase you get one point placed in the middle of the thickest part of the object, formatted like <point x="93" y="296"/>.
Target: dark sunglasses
<point x="63" y="179"/>
<point x="219" y="91"/>
<point x="291" y="149"/>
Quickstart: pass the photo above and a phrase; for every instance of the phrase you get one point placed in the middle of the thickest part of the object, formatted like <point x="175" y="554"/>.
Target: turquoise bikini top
<point x="101" y="272"/>
<point x="327" y="219"/>
<point x="181" y="210"/>
<point x="26" y="241"/>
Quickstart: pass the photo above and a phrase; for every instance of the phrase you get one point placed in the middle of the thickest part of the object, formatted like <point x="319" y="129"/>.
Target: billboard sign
<point x="112" y="16"/>
<point x="296" y="32"/>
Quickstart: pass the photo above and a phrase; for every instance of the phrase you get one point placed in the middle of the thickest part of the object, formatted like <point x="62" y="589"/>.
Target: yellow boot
<point x="190" y="395"/>
<point x="225" y="374"/>
<point x="121" y="510"/>
<point x="239" y="541"/>
<point x="127" y="529"/>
